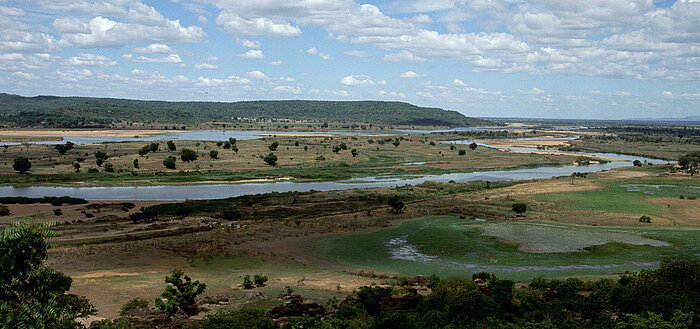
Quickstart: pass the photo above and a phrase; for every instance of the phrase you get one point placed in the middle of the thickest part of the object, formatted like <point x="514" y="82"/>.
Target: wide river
<point x="219" y="191"/>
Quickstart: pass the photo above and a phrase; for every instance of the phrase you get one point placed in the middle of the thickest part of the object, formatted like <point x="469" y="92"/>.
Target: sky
<point x="588" y="59"/>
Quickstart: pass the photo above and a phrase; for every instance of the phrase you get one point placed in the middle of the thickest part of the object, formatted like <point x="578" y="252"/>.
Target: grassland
<point x="301" y="158"/>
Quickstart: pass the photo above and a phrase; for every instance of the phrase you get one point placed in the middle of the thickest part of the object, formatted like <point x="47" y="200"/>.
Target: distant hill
<point x="89" y="112"/>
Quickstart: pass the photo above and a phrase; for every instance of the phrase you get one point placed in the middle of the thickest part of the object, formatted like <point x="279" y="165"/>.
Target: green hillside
<point x="76" y="112"/>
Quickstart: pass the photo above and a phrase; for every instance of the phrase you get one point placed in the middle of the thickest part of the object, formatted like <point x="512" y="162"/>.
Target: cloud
<point x="90" y="60"/>
<point x="259" y="75"/>
<point x="357" y="53"/>
<point x="533" y="91"/>
<point x="391" y="94"/>
<point x="25" y="76"/>
<point x="458" y="83"/>
<point x="360" y="80"/>
<point x="174" y="58"/>
<point x="314" y="52"/>
<point x="145" y="25"/>
<point x="403" y="57"/>
<point x="250" y="44"/>
<point x="411" y="75"/>
<point x="276" y="63"/>
<point x="154" y="48"/>
<point x="205" y="66"/>
<point x="97" y="7"/>
<point x="259" y="26"/>
<point x="288" y="89"/>
<point x="252" y="54"/>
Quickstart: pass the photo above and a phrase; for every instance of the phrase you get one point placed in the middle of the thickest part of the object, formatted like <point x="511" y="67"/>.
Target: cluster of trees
<point x="83" y="112"/>
<point x="690" y="162"/>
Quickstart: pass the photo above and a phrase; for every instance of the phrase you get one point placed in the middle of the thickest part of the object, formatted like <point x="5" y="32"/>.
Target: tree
<point x="100" y="158"/>
<point x="171" y="146"/>
<point x="21" y="164"/>
<point x="637" y="163"/>
<point x="473" y="146"/>
<point x="63" y="148"/>
<point x="273" y="146"/>
<point x="144" y="150"/>
<point x="76" y="166"/>
<point x="227" y="145"/>
<point x="99" y="162"/>
<point x="180" y="293"/>
<point x="354" y="152"/>
<point x="336" y="149"/>
<point x="109" y="167"/>
<point x="690" y="162"/>
<point x="396" y="142"/>
<point x="188" y="155"/>
<point x="396" y="205"/>
<point x="519" y="208"/>
<point x="270" y="159"/>
<point x="136" y="163"/>
<point x="169" y="162"/>
<point x="259" y="280"/>
<point x="343" y="146"/>
<point x="33" y="295"/>
<point x="462" y="152"/>
<point x="232" y="140"/>
<point x="214" y="154"/>
<point x="154" y="147"/>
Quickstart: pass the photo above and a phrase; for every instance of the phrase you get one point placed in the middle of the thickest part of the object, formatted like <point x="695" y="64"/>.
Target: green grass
<point x="614" y="198"/>
<point x="451" y="246"/>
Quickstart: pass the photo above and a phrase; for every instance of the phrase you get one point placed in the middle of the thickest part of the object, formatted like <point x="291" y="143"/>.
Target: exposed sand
<point x="83" y="133"/>
<point x="312" y="134"/>
<point x="535" y="144"/>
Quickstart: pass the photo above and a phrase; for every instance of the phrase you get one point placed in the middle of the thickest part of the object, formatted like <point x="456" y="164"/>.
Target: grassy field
<point x="299" y="158"/>
<point x="451" y="246"/>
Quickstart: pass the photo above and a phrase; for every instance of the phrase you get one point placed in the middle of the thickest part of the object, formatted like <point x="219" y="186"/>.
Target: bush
<point x="273" y="146"/>
<point x="180" y="293"/>
<point x="637" y="163"/>
<point x="245" y="317"/>
<point x="247" y="283"/>
<point x="109" y="167"/>
<point x="4" y="211"/>
<point x="92" y="170"/>
<point x="214" y="154"/>
<point x="21" y="164"/>
<point x="354" y="152"/>
<point x="134" y="304"/>
<point x="473" y="146"/>
<point x="171" y="146"/>
<point x="169" y="162"/>
<point x="645" y="219"/>
<point x="188" y="155"/>
<point x="136" y="163"/>
<point x="118" y="324"/>
<point x="519" y="208"/>
<point x="396" y="205"/>
<point x="462" y="152"/>
<point x="231" y="214"/>
<point x="259" y="280"/>
<point x="270" y="159"/>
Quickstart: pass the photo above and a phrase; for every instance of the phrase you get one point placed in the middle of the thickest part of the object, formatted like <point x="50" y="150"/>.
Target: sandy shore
<point x="312" y="134"/>
<point x="83" y="133"/>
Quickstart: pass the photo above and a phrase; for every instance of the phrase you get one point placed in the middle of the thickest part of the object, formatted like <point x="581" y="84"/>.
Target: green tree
<point x="519" y="208"/>
<point x="396" y="142"/>
<point x="154" y="147"/>
<point x="232" y="140"/>
<point x="214" y="154"/>
<point x="259" y="280"/>
<point x="188" y="155"/>
<point x="180" y="293"/>
<point x="144" y="150"/>
<point x="109" y="167"/>
<point x="244" y="317"/>
<point x="171" y="146"/>
<point x="227" y="145"/>
<point x="136" y="163"/>
<point x="100" y="157"/>
<point x="21" y="164"/>
<point x="473" y="146"/>
<point x="396" y="205"/>
<point x="32" y="294"/>
<point x="462" y="152"/>
<point x="76" y="166"/>
<point x="169" y="162"/>
<point x="354" y="152"/>
<point x="273" y="146"/>
<point x="270" y="159"/>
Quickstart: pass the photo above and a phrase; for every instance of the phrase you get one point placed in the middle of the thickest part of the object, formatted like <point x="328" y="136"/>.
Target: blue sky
<point x="598" y="59"/>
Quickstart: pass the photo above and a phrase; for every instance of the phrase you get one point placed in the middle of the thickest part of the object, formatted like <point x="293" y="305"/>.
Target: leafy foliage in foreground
<point x="32" y="294"/>
<point x="668" y="297"/>
<point x="86" y="112"/>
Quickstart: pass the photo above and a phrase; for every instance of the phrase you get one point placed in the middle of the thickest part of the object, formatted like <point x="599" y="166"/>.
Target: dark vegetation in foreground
<point x="86" y="112"/>
<point x="34" y="296"/>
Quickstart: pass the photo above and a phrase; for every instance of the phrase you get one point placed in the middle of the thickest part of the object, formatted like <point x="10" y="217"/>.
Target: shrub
<point x="519" y="208"/>
<point x="462" y="152"/>
<point x="214" y="154"/>
<point x="21" y="164"/>
<point x="109" y="167"/>
<point x="645" y="219"/>
<point x="144" y="150"/>
<point x="4" y="211"/>
<point x="92" y="170"/>
<point x="259" y="280"/>
<point x="134" y="304"/>
<point x="169" y="162"/>
<point x="396" y="142"/>
<point x="101" y="155"/>
<point x="154" y="147"/>
<point x="637" y="163"/>
<point x="247" y="283"/>
<point x="188" y="155"/>
<point x="58" y="212"/>
<point x="273" y="146"/>
<point x="270" y="159"/>
<point x="227" y="145"/>
<point x="473" y="146"/>
<point x="396" y="205"/>
<point x="231" y="214"/>
<point x="118" y="324"/>
<point x="99" y="162"/>
<point x="354" y="152"/>
<point x="171" y="146"/>
<point x="180" y="293"/>
<point x="244" y="317"/>
<point x="136" y="163"/>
